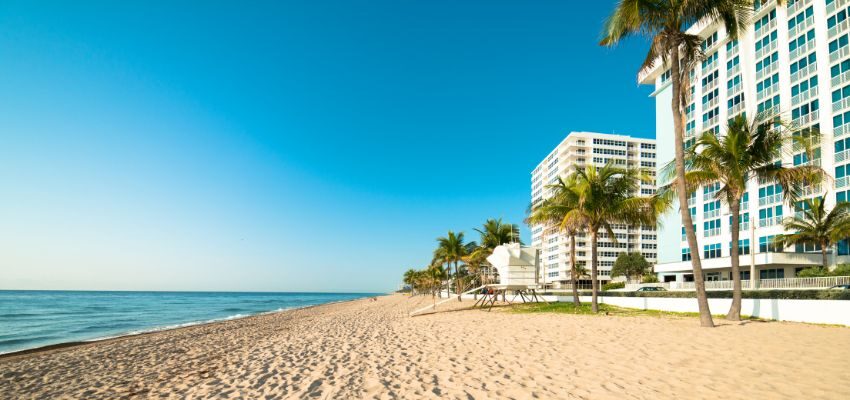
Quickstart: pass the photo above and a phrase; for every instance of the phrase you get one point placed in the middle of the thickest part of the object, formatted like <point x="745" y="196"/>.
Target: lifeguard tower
<point x="519" y="273"/>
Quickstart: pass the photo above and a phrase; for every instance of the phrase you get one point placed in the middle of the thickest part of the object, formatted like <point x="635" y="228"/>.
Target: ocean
<point x="30" y="319"/>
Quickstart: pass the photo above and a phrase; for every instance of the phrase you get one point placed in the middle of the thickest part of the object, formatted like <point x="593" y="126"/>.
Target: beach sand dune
<point x="372" y="349"/>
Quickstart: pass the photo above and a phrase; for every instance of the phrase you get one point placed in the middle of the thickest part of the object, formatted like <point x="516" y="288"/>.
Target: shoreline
<point x="373" y="350"/>
<point x="50" y="348"/>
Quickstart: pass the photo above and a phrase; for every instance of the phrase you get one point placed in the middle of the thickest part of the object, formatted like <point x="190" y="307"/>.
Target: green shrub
<point x="841" y="270"/>
<point x="613" y="285"/>
<point x="649" y="278"/>
<point x="813" y="272"/>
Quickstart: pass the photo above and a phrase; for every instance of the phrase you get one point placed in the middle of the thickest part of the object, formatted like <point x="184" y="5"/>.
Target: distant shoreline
<point x="154" y="330"/>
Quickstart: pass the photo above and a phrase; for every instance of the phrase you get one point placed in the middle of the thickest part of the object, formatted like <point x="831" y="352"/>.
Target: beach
<point x="373" y="349"/>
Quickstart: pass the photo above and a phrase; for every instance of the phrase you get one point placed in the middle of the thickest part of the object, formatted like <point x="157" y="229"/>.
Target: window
<point x="807" y="248"/>
<point x="765" y="41"/>
<point x="709" y="60"/>
<point x="804" y="62"/>
<point x="801" y="40"/>
<point x="711" y="228"/>
<point x="770" y="216"/>
<point x="647" y="146"/>
<point x="769" y="104"/>
<point x="609" y="142"/>
<point x="709" y="41"/>
<point x="763" y="21"/>
<point x="767" y="61"/>
<point x="770" y="194"/>
<point x="800" y="17"/>
<point x="836" y="19"/>
<point x="768" y="83"/>
<point x="774" y="273"/>
<point x="711" y="251"/>
<point x="743" y="247"/>
<point x="734" y="82"/>
<point x="838" y="44"/>
<point x="647" y="155"/>
<point x="804" y="85"/>
<point x="768" y="245"/>
<point x="711" y="209"/>
<point x="686" y="254"/>
<point x="708" y="79"/>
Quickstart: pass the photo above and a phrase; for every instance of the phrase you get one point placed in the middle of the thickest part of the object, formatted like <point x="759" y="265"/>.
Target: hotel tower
<point x="793" y="59"/>
<point x="578" y="150"/>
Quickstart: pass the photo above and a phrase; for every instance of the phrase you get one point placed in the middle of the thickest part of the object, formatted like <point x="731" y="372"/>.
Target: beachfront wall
<point x="811" y="311"/>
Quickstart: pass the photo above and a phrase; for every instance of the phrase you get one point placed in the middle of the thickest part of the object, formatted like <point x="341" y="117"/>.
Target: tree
<point x="817" y="227"/>
<point x="493" y="233"/>
<point x="606" y="196"/>
<point x="452" y="248"/>
<point x="561" y="210"/>
<point x="748" y="151"/>
<point x="631" y="265"/>
<point x="665" y="23"/>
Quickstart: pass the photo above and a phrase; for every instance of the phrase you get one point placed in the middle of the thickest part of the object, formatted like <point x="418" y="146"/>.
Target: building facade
<point x="794" y="59"/>
<point x="578" y="150"/>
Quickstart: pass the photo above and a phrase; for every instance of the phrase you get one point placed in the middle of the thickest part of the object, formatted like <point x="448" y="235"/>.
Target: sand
<point x="366" y="349"/>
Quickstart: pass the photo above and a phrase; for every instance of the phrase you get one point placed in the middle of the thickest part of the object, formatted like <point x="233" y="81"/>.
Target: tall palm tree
<point x="665" y="23"/>
<point x="817" y="227"/>
<point x="747" y="151"/>
<point x="452" y="248"/>
<point x="562" y="211"/>
<point x="606" y="196"/>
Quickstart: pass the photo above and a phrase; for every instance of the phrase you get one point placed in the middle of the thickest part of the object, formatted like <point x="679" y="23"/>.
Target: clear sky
<point x="307" y="145"/>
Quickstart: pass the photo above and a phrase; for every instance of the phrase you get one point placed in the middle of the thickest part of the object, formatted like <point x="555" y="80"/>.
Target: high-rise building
<point x="578" y="150"/>
<point x="791" y="60"/>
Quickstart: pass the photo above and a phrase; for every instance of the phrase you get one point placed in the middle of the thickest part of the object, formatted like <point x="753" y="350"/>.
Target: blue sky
<point x="292" y="145"/>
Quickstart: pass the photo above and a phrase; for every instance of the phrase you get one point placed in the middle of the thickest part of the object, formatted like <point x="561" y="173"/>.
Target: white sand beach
<point x="372" y="349"/>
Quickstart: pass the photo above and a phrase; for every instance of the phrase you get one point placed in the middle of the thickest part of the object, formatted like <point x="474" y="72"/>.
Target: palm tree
<point x="562" y="211"/>
<point x="665" y="23"/>
<point x="451" y="248"/>
<point x="409" y="278"/>
<point x="606" y="196"/>
<point x="747" y="151"/>
<point x="817" y="227"/>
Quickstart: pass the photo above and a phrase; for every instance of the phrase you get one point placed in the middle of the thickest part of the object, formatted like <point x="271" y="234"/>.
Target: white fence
<point x="763" y="284"/>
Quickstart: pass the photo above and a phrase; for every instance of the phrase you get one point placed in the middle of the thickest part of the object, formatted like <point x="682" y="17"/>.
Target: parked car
<point x="840" y="287"/>
<point x="651" y="289"/>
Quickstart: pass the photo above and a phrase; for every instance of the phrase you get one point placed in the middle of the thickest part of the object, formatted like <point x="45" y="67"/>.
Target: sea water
<point x="30" y="319"/>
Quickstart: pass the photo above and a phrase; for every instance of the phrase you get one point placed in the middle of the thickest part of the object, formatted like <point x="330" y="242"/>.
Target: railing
<point x="801" y="26"/>
<point x="711" y="121"/>
<point x="711" y="232"/>
<point x="841" y="104"/>
<point x="735" y="89"/>
<point x="839" y="54"/>
<point x="766" y="28"/>
<point x="841" y="182"/>
<point x="734" y="70"/>
<point x="767" y="92"/>
<point x="840" y="131"/>
<point x="737" y="108"/>
<point x="836" y="5"/>
<point x="765" y="71"/>
<point x="765" y="222"/>
<point x="805" y="72"/>
<point x="803" y="96"/>
<point x="807" y="119"/>
<point x="774" y="198"/>
<point x="711" y="103"/>
<point x="838" y="28"/>
<point x="711" y="214"/>
<point x="709" y="67"/>
<point x="762" y="284"/>
<point x="841" y="156"/>
<point x="766" y="50"/>
<point x="798" y="5"/>
<point x="840" y="79"/>
<point x="710" y="86"/>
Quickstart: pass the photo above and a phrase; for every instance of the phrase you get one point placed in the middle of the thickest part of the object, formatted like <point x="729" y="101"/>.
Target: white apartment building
<point x="578" y="150"/>
<point x="794" y="59"/>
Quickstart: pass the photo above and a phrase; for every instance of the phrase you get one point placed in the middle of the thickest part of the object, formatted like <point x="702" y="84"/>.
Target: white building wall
<point x="578" y="150"/>
<point x="822" y="118"/>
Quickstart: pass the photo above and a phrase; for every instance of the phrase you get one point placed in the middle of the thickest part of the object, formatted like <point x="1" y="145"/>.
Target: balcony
<point x="711" y="214"/>
<point x="710" y="104"/>
<point x="807" y="119"/>
<point x="733" y="51"/>
<point x="766" y="71"/>
<point x="710" y="86"/>
<point x="761" y="7"/>
<point x="736" y="109"/>
<point x="839" y="28"/>
<point x="761" y="259"/>
<point x="769" y="91"/>
<point x="840" y="131"/>
<point x="798" y="6"/>
<point x="801" y="27"/>
<point x="711" y="232"/>
<point x="801" y="50"/>
<point x="734" y="70"/>
<point x="738" y="88"/>
<point x="774" y="198"/>
<point x="839" y="54"/>
<point x="804" y="73"/>
<point x="760" y="53"/>
<point x="709" y="67"/>
<point x="804" y="96"/>
<point x="840" y="79"/>
<point x="772" y="221"/>
<point x="809" y="190"/>
<point x="841" y="105"/>
<point x="836" y="5"/>
<point x="711" y="121"/>
<point x="766" y="28"/>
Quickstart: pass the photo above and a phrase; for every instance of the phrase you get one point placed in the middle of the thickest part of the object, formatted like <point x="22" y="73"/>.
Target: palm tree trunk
<point x="594" y="284"/>
<point x="734" y="313"/>
<point x="574" y="270"/>
<point x="679" y="135"/>
<point x="457" y="280"/>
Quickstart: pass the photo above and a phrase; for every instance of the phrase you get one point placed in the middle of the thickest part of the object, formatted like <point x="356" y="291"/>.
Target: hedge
<point x="613" y="285"/>
<point x="802" y="294"/>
